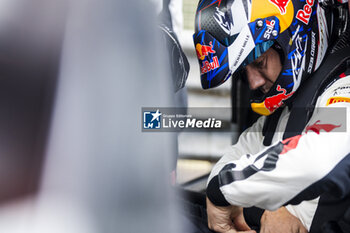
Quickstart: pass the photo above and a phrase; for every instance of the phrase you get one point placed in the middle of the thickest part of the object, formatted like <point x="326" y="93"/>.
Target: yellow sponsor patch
<point x="334" y="100"/>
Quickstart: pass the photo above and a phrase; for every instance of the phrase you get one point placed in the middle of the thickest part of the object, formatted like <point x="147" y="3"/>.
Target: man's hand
<point x="280" y="221"/>
<point x="226" y="219"/>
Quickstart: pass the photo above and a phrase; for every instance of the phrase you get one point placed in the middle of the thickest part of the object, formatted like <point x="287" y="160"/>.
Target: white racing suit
<point x="251" y="174"/>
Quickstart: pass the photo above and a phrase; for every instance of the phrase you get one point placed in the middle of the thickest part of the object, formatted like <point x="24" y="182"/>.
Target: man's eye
<point x="263" y="63"/>
<point x="260" y="64"/>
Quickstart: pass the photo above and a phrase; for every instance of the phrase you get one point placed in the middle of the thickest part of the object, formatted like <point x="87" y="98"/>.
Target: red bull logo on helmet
<point x="210" y="66"/>
<point x="304" y="14"/>
<point x="274" y="102"/>
<point x="271" y="103"/>
<point x="281" y="4"/>
<point x="204" y="50"/>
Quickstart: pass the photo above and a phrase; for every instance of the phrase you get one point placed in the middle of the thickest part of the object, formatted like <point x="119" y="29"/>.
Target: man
<point x="285" y="157"/>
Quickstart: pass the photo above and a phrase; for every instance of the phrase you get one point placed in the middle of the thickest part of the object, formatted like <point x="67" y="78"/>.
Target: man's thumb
<point x="240" y="223"/>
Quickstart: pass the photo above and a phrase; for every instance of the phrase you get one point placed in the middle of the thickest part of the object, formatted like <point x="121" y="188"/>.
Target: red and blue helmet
<point x="230" y="34"/>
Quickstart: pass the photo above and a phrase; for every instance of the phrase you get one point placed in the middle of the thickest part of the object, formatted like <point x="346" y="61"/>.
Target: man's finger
<point x="231" y="231"/>
<point x="223" y="228"/>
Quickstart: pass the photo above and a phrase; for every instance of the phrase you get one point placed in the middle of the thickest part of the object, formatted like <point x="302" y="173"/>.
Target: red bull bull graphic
<point x="292" y="143"/>
<point x="271" y="103"/>
<point x="210" y="66"/>
<point x="304" y="14"/>
<point x="281" y="4"/>
<point x="316" y="127"/>
<point x="204" y="50"/>
<point x="274" y="102"/>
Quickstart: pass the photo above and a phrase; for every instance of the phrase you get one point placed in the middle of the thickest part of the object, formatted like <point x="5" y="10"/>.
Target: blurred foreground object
<point x="101" y="173"/>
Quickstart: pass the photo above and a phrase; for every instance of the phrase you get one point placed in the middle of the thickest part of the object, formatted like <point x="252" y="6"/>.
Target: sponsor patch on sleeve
<point x="334" y="100"/>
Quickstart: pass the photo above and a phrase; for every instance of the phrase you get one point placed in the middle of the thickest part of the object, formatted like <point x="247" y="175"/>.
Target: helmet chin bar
<point x="258" y="105"/>
<point x="260" y="108"/>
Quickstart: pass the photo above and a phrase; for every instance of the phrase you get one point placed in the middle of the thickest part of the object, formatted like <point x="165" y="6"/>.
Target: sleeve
<point x="295" y="169"/>
<point x="250" y="141"/>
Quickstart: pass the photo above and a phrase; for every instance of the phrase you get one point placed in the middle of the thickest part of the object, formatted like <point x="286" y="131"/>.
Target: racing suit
<point x="289" y="171"/>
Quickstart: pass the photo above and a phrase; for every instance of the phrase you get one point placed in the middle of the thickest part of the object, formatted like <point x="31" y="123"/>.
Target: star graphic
<point x="156" y="115"/>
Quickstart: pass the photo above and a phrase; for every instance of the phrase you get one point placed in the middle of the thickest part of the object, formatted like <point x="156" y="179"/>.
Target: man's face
<point x="264" y="71"/>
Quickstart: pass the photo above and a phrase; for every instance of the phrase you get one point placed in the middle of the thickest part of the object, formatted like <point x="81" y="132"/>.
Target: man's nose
<point x="255" y="79"/>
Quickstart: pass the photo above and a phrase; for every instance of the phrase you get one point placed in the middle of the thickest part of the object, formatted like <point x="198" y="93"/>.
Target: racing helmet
<point x="230" y="34"/>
